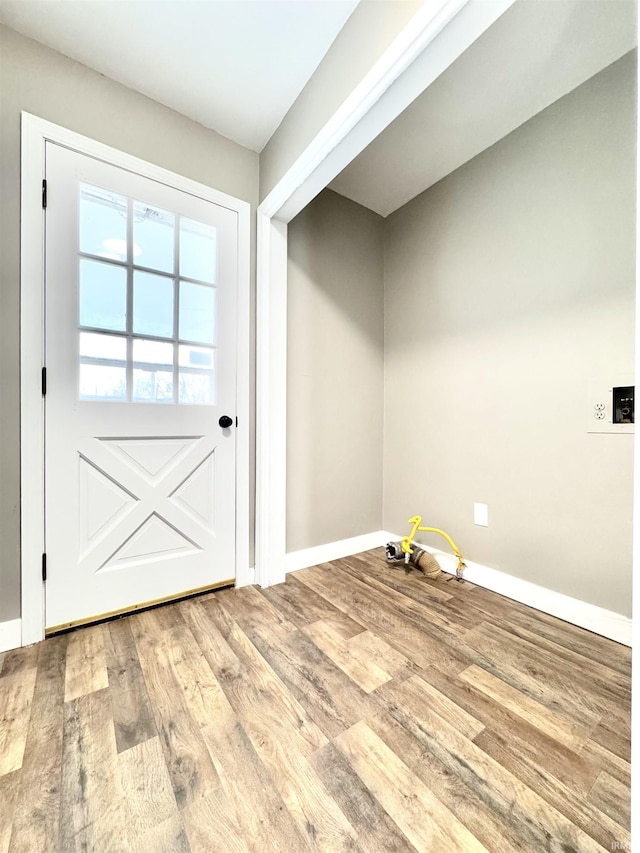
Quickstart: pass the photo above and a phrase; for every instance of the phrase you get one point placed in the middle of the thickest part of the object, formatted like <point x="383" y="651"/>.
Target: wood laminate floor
<point x="355" y="707"/>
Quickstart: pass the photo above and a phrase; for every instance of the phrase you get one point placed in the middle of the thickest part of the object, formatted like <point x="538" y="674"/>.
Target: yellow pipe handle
<point x="415" y="521"/>
<point x="406" y="542"/>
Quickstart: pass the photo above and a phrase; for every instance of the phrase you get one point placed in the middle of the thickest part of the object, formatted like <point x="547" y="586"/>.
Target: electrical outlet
<point x="481" y="515"/>
<point x="605" y="415"/>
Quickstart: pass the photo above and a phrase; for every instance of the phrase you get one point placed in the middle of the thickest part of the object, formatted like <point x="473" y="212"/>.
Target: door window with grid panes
<point x="147" y="302"/>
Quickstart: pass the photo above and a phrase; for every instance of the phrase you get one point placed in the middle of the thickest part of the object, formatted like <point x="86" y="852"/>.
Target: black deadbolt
<point x="225" y="421"/>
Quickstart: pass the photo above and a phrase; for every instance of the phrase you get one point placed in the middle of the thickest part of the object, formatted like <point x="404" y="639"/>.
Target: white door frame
<point x="404" y="71"/>
<point x="35" y="133"/>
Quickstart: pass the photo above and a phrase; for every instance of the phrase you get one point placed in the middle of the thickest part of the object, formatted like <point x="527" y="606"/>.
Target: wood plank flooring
<point x="356" y="707"/>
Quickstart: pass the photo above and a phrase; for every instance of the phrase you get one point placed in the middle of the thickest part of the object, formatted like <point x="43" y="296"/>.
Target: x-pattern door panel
<point x="126" y="482"/>
<point x="140" y="326"/>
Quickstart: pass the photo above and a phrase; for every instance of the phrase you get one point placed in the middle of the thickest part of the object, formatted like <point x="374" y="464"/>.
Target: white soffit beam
<point x="535" y="54"/>
<point x="424" y="49"/>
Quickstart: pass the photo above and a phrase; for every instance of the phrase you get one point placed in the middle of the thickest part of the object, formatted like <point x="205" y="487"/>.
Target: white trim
<point x="35" y="133"/>
<point x="461" y="31"/>
<point x="335" y="550"/>
<point x="401" y="53"/>
<point x="340" y="140"/>
<point x="248" y="579"/>
<point x="635" y="592"/>
<point x="615" y="626"/>
<point x="271" y="401"/>
<point x="31" y="401"/>
<point x="245" y="575"/>
<point x="10" y="635"/>
<point x="608" y="624"/>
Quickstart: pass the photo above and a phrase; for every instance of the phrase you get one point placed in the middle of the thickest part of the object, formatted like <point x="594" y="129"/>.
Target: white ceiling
<point x="235" y="66"/>
<point x="536" y="52"/>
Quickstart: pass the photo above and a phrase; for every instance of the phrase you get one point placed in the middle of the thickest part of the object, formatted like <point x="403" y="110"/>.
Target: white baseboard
<point x="608" y="624"/>
<point x="10" y="635"/>
<point x="615" y="626"/>
<point x="335" y="550"/>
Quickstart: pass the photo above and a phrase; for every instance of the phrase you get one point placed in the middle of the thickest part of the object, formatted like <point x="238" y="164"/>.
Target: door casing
<point x="35" y="133"/>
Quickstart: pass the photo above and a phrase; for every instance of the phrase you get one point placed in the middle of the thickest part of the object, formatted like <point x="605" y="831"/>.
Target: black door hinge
<point x="44" y="568"/>
<point x="236" y="423"/>
<point x="44" y="194"/>
<point x="44" y="381"/>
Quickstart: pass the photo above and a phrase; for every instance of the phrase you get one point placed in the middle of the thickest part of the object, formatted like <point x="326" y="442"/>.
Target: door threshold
<point x="136" y="608"/>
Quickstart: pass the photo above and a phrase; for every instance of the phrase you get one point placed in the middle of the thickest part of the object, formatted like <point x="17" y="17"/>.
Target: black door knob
<point x="225" y="421"/>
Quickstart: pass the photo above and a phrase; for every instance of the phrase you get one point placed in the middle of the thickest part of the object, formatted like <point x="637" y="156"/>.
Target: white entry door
<point x="141" y="288"/>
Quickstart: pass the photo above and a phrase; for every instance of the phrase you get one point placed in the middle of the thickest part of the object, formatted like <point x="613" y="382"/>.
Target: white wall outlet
<point x="599" y="408"/>
<point x="481" y="514"/>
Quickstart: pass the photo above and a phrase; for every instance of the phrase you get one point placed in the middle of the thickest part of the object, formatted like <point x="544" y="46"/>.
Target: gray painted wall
<point x="53" y="87"/>
<point x="335" y="372"/>
<point x="507" y="286"/>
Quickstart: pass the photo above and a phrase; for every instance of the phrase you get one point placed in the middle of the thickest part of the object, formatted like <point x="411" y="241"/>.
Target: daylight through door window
<point x="147" y="302"/>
